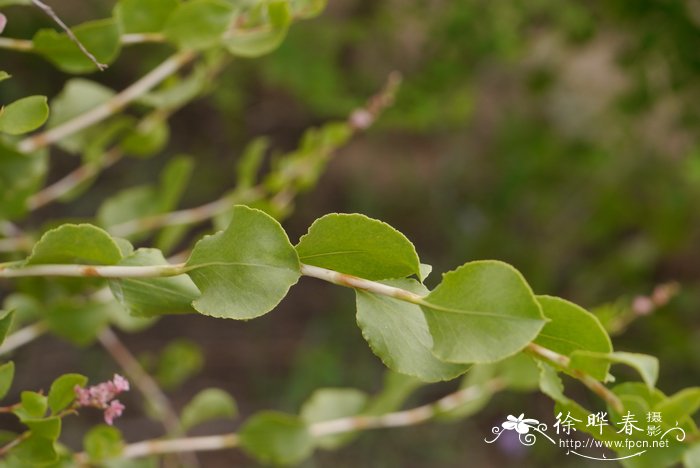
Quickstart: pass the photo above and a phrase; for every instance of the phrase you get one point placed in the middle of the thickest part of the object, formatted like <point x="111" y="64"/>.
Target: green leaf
<point x="357" y="245"/>
<point x="199" y="24"/>
<point x="7" y="375"/>
<point x="332" y="403"/>
<point x="77" y="244"/>
<point x="259" y="38"/>
<point x="21" y="175"/>
<point x="212" y="403"/>
<point x="32" y="406"/>
<point x="276" y="438"/>
<point x="62" y="391"/>
<point x="647" y="366"/>
<point x="49" y="428"/>
<point x="4" y="3"/>
<point x="5" y="323"/>
<point x="77" y="97"/>
<point x="680" y="405"/>
<point x="398" y="334"/>
<point x="103" y="442"/>
<point x="147" y="139"/>
<point x="36" y="451"/>
<point x="424" y="272"/>
<point x="101" y="38"/>
<point x="250" y="161"/>
<point x="179" y="360"/>
<point x="396" y="389"/>
<point x="148" y="297"/>
<point x="4" y="75"/>
<point x="246" y="270"/>
<point x="75" y="319"/>
<point x="571" y="328"/>
<point x="482" y="312"/>
<point x="143" y="16"/>
<point x="551" y="384"/>
<point x="24" y="115"/>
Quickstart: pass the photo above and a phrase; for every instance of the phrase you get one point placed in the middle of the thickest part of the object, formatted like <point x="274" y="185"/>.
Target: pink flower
<point x="114" y="410"/>
<point x="102" y="396"/>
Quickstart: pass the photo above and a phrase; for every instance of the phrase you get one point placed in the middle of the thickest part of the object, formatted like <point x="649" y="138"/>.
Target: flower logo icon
<point x="520" y="424"/>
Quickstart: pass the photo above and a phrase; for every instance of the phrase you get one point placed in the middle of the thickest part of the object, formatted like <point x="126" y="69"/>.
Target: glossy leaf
<point x="62" y="393"/>
<point x="398" y="334"/>
<point x="276" y="438"/>
<point x="199" y="24"/>
<point x="24" y="115"/>
<point x="101" y="38"/>
<point x="143" y="16"/>
<point x="7" y="375"/>
<point x="147" y="297"/>
<point x="209" y="404"/>
<point x="75" y="243"/>
<point x="360" y="246"/>
<point x="246" y="270"/>
<point x="482" y="312"/>
<point x="333" y="403"/>
<point x="571" y="328"/>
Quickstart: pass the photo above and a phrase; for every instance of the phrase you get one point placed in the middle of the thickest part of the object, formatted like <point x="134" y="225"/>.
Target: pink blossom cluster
<point x="102" y="396"/>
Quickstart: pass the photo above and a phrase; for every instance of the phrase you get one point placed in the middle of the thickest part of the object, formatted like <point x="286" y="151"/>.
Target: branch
<point x="563" y="362"/>
<point x="49" y="11"/>
<point x="23" y="336"/>
<point x="360" y="119"/>
<point x="403" y="418"/>
<point x="90" y="271"/>
<point x="148" y="387"/>
<point x="110" y="107"/>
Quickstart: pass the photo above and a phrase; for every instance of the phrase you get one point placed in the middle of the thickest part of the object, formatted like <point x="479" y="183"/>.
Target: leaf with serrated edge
<point x="357" y="245"/>
<point x="246" y="270"/>
<point x="572" y="328"/>
<point x="398" y="334"/>
<point x="483" y="311"/>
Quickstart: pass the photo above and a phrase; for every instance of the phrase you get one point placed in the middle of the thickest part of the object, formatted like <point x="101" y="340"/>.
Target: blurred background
<point x="561" y="137"/>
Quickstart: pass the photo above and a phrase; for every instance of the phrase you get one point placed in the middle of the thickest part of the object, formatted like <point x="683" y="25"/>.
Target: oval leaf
<point x="101" y="38"/>
<point x="75" y="243"/>
<point x="398" y="334"/>
<point x="246" y="270"/>
<point x="276" y="438"/>
<point x="61" y="393"/>
<point x="199" y="24"/>
<point x="24" y="115"/>
<point x="212" y="403"/>
<point x="482" y="312"/>
<point x="357" y="245"/>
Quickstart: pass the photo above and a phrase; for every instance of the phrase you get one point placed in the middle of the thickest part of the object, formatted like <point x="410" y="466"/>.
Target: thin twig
<point x="409" y="417"/>
<point x="49" y="11"/>
<point x="109" y="107"/>
<point x="23" y="336"/>
<point x="563" y="362"/>
<point x="148" y="387"/>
